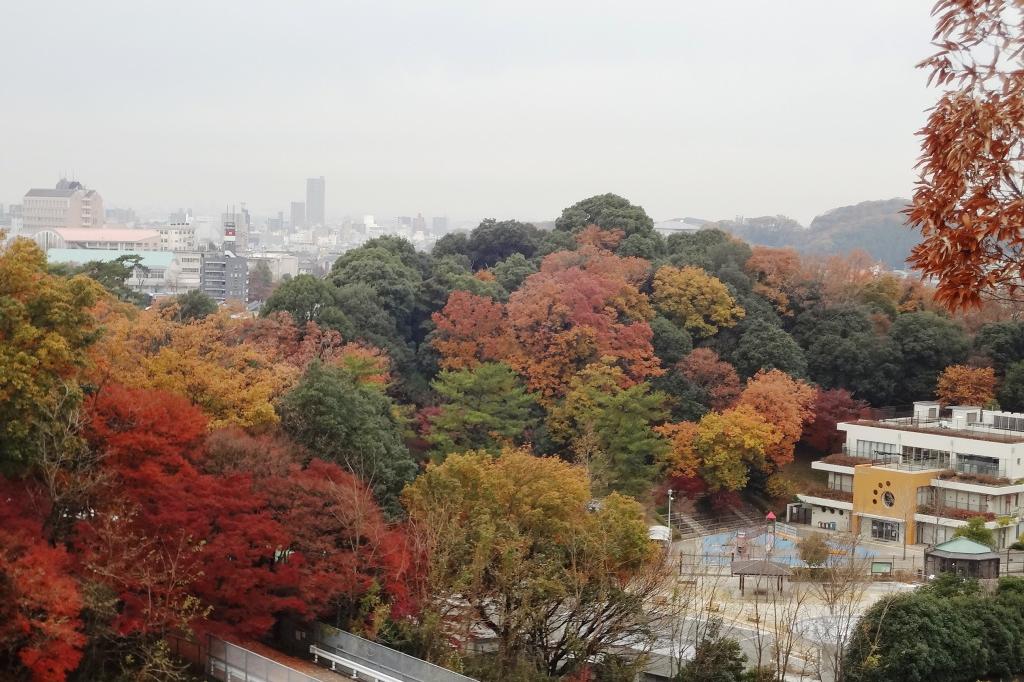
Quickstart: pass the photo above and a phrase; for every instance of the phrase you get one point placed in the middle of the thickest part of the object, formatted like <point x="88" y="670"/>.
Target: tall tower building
<point x="315" y="201"/>
<point x="298" y="215"/>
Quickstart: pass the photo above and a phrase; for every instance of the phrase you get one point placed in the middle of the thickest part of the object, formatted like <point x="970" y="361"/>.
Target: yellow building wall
<point x="870" y="483"/>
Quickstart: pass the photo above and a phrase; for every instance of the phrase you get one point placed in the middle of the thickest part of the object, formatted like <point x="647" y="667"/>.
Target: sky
<point x="469" y="108"/>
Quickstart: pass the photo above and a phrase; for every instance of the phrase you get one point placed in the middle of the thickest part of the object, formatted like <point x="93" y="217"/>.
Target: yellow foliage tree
<point x="963" y="385"/>
<point x="235" y="382"/>
<point x="515" y="551"/>
<point x="696" y="300"/>
<point x="722" y="447"/>
<point x="45" y="328"/>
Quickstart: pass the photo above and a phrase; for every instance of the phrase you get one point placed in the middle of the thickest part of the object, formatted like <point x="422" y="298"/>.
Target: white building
<point x="150" y="277"/>
<point x="116" y="239"/>
<point x="280" y="264"/>
<point x="69" y="204"/>
<point x="177" y="237"/>
<point x="916" y="479"/>
<point x="667" y="228"/>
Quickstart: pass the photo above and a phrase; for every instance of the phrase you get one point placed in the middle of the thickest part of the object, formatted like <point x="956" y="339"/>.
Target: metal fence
<point x="393" y="664"/>
<point x="1011" y="562"/>
<point x="231" y="663"/>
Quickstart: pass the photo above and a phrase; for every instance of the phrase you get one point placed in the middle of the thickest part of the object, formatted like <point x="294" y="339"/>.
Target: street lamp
<point x="670" y="533"/>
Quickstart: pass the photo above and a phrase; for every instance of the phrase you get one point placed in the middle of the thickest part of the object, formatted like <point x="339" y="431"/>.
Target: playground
<point x="779" y="544"/>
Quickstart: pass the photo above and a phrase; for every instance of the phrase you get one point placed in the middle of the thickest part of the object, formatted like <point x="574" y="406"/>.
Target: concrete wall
<point x="828" y="515"/>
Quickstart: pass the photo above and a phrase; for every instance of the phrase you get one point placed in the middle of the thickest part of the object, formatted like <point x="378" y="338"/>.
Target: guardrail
<point x="356" y="670"/>
<point x="389" y="665"/>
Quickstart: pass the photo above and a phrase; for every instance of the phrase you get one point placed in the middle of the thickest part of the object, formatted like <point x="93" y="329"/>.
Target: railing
<point x="957" y="513"/>
<point x="829" y="493"/>
<point x="945" y="426"/>
<point x="231" y="663"/>
<point x="388" y="665"/>
<point x="976" y="479"/>
<point x="979" y="469"/>
<point x="357" y="670"/>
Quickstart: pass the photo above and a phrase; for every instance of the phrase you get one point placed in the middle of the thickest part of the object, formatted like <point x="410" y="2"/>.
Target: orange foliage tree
<point x="969" y="201"/>
<point x="714" y="377"/>
<point x="842" y="278"/>
<point x="566" y="319"/>
<point x="470" y="330"/>
<point x="778" y="276"/>
<point x="785" y="403"/>
<point x="963" y="385"/>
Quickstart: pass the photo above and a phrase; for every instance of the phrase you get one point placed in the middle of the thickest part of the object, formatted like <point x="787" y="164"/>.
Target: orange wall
<point x="871" y="482"/>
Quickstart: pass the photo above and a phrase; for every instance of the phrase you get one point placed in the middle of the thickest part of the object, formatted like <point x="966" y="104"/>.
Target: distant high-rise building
<point x="181" y="216"/>
<point x="439" y="225"/>
<point x="121" y="216"/>
<point x="70" y="204"/>
<point x="298" y="215"/>
<point x="277" y="223"/>
<point x="419" y="223"/>
<point x="315" y="201"/>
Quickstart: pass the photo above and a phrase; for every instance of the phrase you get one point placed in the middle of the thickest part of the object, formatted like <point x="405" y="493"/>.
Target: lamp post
<point x="671" y="535"/>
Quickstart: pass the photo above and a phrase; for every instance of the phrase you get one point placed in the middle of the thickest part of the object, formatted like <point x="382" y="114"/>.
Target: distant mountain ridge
<point x="878" y="227"/>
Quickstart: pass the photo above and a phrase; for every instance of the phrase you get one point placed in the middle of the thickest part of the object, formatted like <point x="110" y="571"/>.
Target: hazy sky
<point x="470" y="108"/>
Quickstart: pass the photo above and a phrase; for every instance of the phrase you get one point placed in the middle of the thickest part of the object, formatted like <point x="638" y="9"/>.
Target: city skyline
<point x="471" y="110"/>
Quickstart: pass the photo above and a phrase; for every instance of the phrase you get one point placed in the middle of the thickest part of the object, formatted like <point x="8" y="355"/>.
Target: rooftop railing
<point x="976" y="430"/>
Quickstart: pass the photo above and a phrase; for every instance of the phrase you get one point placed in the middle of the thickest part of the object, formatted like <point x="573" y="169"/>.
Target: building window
<point x="888" y="499"/>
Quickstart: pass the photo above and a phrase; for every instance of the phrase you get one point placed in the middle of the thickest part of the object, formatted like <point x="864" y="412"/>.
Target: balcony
<point x="828" y="493"/>
<point x="955" y="513"/>
<point x="844" y="460"/>
<point x="975" y="478"/>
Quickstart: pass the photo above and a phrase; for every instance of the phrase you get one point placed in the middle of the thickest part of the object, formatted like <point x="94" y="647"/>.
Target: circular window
<point x="888" y="498"/>
<point x="840" y="512"/>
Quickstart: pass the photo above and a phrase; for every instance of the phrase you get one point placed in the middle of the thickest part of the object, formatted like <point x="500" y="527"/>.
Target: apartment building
<point x="224" y="276"/>
<point x="915" y="479"/>
<point x="177" y="237"/>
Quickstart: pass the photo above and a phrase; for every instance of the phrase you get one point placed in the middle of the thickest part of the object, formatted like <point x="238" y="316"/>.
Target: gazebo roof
<point x="963" y="548"/>
<point x="760" y="567"/>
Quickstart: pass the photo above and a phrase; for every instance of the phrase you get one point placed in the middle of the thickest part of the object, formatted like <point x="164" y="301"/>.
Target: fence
<point x="1011" y="562"/>
<point x="391" y="664"/>
<point x="231" y="663"/>
<point x="220" y="660"/>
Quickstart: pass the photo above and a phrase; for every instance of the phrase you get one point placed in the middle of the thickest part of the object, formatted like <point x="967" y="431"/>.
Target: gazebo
<point x="963" y="557"/>
<point x="761" y="568"/>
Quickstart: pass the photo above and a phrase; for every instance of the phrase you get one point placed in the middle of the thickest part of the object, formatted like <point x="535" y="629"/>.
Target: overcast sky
<point x="470" y="108"/>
